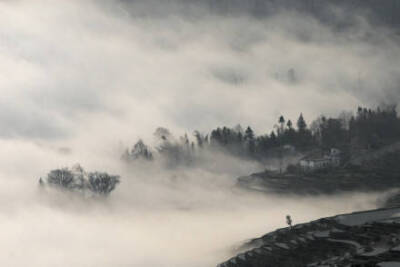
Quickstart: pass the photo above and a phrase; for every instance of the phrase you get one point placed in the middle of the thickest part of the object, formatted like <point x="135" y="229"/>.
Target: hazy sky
<point x="81" y="66"/>
<point x="80" y="78"/>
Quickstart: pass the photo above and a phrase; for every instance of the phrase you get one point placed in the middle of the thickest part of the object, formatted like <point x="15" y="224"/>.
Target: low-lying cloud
<point x="155" y="217"/>
<point x="82" y="80"/>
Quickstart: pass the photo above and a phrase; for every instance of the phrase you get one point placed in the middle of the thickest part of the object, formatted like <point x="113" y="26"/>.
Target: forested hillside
<point x="364" y="130"/>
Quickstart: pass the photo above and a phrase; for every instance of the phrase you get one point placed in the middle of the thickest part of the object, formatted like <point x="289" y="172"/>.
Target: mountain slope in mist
<point x="372" y="175"/>
<point x="81" y="79"/>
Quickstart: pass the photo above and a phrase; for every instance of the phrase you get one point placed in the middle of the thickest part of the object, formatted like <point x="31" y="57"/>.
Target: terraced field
<point x="370" y="238"/>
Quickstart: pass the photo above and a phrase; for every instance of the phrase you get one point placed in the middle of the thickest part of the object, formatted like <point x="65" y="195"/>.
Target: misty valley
<point x="185" y="133"/>
<point x="348" y="163"/>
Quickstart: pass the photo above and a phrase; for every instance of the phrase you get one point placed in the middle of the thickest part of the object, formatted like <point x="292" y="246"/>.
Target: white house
<point x="318" y="160"/>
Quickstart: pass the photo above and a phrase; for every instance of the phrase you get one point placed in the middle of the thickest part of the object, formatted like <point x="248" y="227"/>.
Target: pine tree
<point x="249" y="138"/>
<point x="289" y="124"/>
<point x="282" y="123"/>
<point x="249" y="134"/>
<point x="301" y="123"/>
<point x="273" y="139"/>
<point x="199" y="138"/>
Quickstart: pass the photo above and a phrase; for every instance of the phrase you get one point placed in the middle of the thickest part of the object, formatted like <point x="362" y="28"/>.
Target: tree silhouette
<point x="102" y="183"/>
<point x="301" y="123"/>
<point x="139" y="151"/>
<point x="249" y="138"/>
<point x="289" y="124"/>
<point x="282" y="125"/>
<point x="289" y="220"/>
<point x="76" y="179"/>
<point x="61" y="177"/>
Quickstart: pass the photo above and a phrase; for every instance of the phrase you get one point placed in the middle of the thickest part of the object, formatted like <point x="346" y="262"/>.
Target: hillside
<point x="376" y="171"/>
<point x="370" y="238"/>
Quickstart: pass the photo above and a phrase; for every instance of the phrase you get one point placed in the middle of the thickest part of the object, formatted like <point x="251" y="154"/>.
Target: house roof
<point x="315" y="159"/>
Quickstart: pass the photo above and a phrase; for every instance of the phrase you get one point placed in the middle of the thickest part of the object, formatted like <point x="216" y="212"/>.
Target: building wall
<point x="318" y="164"/>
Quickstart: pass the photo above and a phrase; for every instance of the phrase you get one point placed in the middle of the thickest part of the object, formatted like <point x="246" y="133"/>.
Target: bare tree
<point x="289" y="220"/>
<point x="76" y="179"/>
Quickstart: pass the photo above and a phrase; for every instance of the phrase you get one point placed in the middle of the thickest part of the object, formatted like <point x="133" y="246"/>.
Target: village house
<point x="319" y="160"/>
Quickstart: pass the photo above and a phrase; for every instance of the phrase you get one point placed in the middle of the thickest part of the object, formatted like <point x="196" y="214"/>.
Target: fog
<point x="82" y="80"/>
<point x="155" y="217"/>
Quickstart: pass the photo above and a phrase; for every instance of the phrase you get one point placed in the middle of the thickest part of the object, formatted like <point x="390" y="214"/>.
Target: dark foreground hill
<point x="370" y="238"/>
